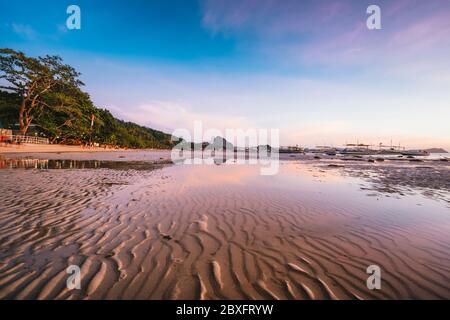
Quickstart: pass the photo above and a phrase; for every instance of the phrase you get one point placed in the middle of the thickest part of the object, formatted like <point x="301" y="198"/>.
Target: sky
<point x="310" y="68"/>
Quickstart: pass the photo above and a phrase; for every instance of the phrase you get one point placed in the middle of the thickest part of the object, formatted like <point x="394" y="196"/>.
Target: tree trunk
<point x="26" y="121"/>
<point x="23" y="128"/>
<point x="24" y="118"/>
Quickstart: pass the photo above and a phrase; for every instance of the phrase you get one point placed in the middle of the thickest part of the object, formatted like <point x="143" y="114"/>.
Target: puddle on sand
<point x="79" y="164"/>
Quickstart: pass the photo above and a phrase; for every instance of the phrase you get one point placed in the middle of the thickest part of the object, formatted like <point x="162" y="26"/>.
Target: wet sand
<point x="220" y="232"/>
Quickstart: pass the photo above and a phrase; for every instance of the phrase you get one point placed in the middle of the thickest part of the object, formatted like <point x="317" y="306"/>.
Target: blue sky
<point x="310" y="68"/>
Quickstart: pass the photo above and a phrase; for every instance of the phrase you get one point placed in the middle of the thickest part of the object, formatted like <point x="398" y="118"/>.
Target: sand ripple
<point x="157" y="235"/>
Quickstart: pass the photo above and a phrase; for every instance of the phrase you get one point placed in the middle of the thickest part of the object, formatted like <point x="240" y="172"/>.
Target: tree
<point x="33" y="79"/>
<point x="47" y="92"/>
<point x="64" y="120"/>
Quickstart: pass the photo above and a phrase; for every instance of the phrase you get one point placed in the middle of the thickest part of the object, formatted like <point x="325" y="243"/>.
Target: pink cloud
<point x="334" y="32"/>
<point x="426" y="33"/>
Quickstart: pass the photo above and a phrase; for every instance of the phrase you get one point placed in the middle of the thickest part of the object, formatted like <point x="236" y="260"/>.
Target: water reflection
<point x="78" y="164"/>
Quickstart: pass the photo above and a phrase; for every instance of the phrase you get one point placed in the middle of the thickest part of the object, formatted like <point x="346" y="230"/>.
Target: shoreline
<point x="392" y="176"/>
<point x="81" y="153"/>
<point x="19" y="151"/>
<point x="58" y="148"/>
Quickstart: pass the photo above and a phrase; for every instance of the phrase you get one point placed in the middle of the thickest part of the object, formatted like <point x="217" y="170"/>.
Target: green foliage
<point x="8" y="107"/>
<point x="48" y="92"/>
<point x="70" y="123"/>
<point x="34" y="79"/>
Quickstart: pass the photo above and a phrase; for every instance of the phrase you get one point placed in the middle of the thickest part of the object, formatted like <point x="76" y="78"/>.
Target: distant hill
<point x="221" y="143"/>
<point x="436" y="150"/>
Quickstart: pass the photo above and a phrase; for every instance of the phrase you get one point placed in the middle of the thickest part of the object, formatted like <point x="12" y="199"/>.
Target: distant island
<point x="436" y="150"/>
<point x="43" y="97"/>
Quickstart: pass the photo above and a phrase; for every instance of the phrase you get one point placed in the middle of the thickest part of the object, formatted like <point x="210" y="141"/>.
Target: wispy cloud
<point x="24" y="31"/>
<point x="29" y="33"/>
<point x="333" y="33"/>
<point x="307" y="111"/>
<point x="62" y="28"/>
<point x="169" y="116"/>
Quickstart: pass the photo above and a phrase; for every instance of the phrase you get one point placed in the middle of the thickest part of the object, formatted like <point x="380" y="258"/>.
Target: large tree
<point x="47" y="92"/>
<point x="67" y="115"/>
<point x="34" y="79"/>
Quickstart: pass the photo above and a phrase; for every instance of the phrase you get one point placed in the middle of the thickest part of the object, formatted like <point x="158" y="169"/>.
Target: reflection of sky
<point x="308" y="185"/>
<point x="310" y="68"/>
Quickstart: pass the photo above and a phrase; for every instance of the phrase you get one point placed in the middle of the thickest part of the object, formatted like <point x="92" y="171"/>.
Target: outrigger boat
<point x="415" y="153"/>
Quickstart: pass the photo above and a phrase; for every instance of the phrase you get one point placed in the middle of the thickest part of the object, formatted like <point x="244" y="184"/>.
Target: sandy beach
<point x="222" y="231"/>
<point x="50" y="148"/>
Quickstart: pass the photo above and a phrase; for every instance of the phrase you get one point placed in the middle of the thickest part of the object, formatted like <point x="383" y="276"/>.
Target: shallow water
<point x="217" y="231"/>
<point x="31" y="163"/>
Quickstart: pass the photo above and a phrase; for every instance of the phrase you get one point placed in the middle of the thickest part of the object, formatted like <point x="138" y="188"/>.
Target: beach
<point x="149" y="229"/>
<point x="51" y="148"/>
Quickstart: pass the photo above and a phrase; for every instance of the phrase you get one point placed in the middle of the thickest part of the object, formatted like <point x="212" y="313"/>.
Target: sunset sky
<point x="310" y="68"/>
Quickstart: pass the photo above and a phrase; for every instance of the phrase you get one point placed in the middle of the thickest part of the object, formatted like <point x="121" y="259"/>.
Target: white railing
<point x="28" y="139"/>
